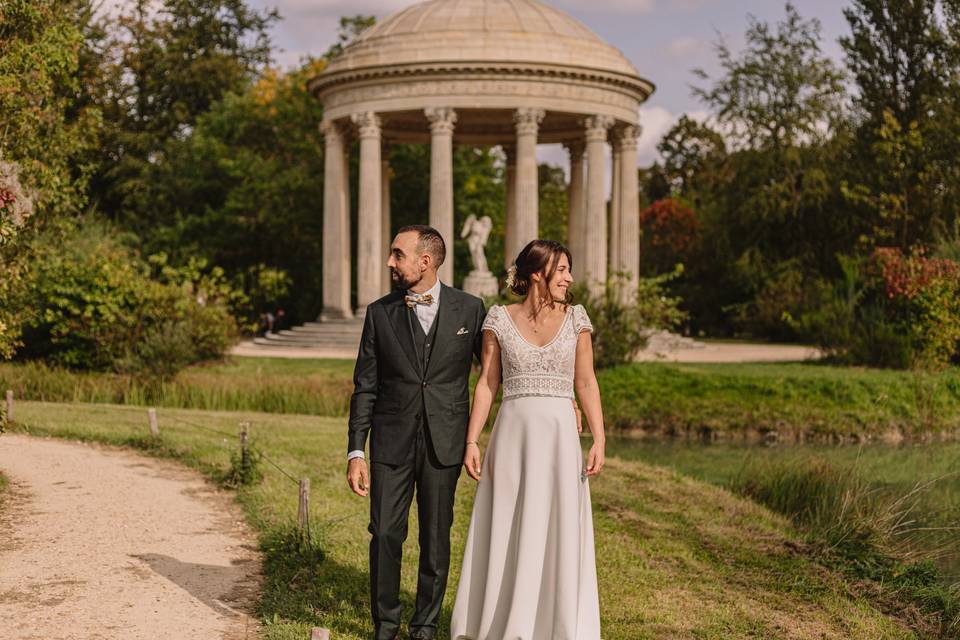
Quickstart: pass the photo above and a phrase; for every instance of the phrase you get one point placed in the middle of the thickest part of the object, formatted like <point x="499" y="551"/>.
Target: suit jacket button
<point x="417" y="416"/>
<point x="424" y="383"/>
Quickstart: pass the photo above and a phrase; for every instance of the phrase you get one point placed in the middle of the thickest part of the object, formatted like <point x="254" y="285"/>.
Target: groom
<point x="411" y="396"/>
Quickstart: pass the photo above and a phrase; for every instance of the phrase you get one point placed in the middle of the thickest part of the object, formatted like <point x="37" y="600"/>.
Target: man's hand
<point x="357" y="477"/>
<point x="471" y="460"/>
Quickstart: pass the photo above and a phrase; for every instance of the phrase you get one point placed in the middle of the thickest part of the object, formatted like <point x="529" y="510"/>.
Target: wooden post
<point x="303" y="513"/>
<point x="244" y="439"/>
<point x="9" y="405"/>
<point x="320" y="633"/>
<point x="154" y="426"/>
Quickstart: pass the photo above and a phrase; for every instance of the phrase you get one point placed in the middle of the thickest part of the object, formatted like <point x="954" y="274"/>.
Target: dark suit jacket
<point x="391" y="390"/>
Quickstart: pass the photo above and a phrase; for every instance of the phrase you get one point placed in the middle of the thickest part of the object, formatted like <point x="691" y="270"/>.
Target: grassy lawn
<point x="677" y="558"/>
<point x="718" y="400"/>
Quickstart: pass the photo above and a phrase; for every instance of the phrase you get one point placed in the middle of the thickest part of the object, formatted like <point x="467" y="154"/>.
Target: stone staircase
<point x="330" y="334"/>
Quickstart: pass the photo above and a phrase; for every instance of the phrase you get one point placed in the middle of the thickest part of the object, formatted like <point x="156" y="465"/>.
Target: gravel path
<point x="103" y="543"/>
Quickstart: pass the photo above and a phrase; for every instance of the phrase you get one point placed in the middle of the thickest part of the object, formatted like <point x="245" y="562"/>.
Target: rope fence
<point x="154" y="424"/>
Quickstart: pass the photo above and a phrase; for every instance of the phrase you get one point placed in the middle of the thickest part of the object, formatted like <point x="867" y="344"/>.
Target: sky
<point x="664" y="39"/>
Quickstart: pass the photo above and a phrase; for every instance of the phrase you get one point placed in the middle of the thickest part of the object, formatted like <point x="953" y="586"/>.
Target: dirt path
<point x="102" y="543"/>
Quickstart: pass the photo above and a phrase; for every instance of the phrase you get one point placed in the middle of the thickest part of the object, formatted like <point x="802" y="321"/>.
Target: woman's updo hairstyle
<point x="539" y="256"/>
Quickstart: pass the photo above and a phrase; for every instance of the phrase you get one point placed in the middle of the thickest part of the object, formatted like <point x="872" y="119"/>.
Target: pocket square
<point x="462" y="331"/>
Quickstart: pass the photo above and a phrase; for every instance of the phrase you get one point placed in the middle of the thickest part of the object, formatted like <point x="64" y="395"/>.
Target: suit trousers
<point x="391" y="493"/>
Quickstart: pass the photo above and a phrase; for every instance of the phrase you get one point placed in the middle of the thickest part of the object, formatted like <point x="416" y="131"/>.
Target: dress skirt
<point x="529" y="568"/>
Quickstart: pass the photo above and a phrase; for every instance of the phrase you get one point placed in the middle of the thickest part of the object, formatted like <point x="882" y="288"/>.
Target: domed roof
<point x="482" y="31"/>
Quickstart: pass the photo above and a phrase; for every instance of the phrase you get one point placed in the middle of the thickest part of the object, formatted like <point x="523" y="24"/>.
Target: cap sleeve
<point x="581" y="321"/>
<point x="492" y="320"/>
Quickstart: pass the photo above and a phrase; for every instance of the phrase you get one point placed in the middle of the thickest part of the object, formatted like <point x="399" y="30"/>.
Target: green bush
<point x="623" y="323"/>
<point x="92" y="303"/>
<point x="889" y="310"/>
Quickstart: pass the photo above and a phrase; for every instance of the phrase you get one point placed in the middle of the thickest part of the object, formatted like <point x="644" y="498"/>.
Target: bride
<point x="529" y="571"/>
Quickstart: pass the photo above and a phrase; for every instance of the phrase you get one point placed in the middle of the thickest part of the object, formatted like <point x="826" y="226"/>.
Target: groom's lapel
<point x="399" y="317"/>
<point x="447" y="316"/>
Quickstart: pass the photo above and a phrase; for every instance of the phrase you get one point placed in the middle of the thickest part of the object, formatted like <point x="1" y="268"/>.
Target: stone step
<point x="303" y="339"/>
<point x="329" y="331"/>
<point x="266" y="342"/>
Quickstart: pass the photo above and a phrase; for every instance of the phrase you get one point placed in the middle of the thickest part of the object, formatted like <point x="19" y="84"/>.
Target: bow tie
<point x="418" y="298"/>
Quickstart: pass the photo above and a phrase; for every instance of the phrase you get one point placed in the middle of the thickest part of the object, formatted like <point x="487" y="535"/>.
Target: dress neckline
<point x="513" y="324"/>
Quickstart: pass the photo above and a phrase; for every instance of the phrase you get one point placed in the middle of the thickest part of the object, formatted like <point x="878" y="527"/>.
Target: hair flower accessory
<point x="511" y="275"/>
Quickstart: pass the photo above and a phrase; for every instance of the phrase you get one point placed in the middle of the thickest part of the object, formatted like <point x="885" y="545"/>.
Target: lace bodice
<point x="529" y="370"/>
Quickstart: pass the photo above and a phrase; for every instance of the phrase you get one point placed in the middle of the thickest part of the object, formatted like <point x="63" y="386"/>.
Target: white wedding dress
<point x="529" y="570"/>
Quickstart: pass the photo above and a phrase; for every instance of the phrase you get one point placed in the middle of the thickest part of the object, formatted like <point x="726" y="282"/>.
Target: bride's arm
<point x="486" y="390"/>
<point x="588" y="391"/>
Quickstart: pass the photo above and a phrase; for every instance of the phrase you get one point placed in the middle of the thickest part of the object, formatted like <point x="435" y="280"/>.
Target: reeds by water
<point x="866" y="528"/>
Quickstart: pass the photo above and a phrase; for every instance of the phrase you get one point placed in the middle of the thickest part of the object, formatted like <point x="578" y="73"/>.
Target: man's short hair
<point x="429" y="241"/>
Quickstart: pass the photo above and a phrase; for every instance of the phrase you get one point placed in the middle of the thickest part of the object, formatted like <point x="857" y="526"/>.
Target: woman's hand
<point x="471" y="460"/>
<point x="595" y="459"/>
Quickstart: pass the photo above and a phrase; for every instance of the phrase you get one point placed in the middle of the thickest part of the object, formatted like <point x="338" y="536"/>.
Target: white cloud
<point x="610" y="6"/>
<point x="686" y="47"/>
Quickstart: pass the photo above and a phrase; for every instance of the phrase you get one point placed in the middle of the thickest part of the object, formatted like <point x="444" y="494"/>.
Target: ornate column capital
<point x="527" y="120"/>
<point x="368" y="123"/>
<point x="331" y="128"/>
<point x="596" y="128"/>
<point x="441" y="119"/>
<point x="626" y="139"/>
<point x="575" y="149"/>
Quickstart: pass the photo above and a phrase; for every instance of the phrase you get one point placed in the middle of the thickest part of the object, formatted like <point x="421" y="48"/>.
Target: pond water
<point x="896" y="467"/>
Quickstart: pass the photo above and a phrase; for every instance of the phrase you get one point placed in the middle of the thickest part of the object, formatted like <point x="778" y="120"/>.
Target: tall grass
<point x="866" y="529"/>
<point x="786" y="402"/>
<point x="322" y="392"/>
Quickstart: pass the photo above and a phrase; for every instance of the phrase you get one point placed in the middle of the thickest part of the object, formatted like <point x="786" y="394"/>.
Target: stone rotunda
<point x="512" y="73"/>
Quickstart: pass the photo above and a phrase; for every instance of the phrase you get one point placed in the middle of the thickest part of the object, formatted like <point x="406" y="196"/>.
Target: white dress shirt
<point x="425" y="314"/>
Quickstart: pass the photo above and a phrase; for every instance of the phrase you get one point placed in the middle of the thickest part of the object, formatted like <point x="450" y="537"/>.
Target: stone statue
<point x="477" y="231"/>
<point x="479" y="282"/>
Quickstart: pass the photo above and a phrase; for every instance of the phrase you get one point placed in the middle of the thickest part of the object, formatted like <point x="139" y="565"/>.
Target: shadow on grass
<point x="304" y="585"/>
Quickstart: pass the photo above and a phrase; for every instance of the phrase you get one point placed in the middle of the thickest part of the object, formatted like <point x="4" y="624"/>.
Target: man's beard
<point x="400" y="282"/>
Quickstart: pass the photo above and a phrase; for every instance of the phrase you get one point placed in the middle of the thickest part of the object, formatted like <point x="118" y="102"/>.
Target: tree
<point x="693" y="156"/>
<point x="905" y="156"/>
<point x="165" y="68"/>
<point x="896" y="52"/>
<point x="350" y="29"/>
<point x="45" y="136"/>
<point x="782" y="91"/>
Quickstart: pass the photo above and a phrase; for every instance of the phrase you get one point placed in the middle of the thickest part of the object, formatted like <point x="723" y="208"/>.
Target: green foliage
<point x="45" y="136"/>
<point x="891" y="310"/>
<point x="44" y="130"/>
<point x="242" y="191"/>
<point x="93" y="305"/>
<point x="623" y="321"/>
<point x="167" y="64"/>
<point x="244" y="467"/>
<point x="781" y="91"/>
<point x="350" y="28"/>
<point x="766" y="207"/>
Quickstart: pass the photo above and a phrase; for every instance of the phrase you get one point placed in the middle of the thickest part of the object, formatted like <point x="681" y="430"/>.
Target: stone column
<point x="336" y="225"/>
<point x="441" y="182"/>
<point x="595" y="237"/>
<point x="510" y="219"/>
<point x="613" y="242"/>
<point x="369" y="221"/>
<point x="385" y="220"/>
<point x="526" y="193"/>
<point x="576" y="205"/>
<point x="629" y="233"/>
